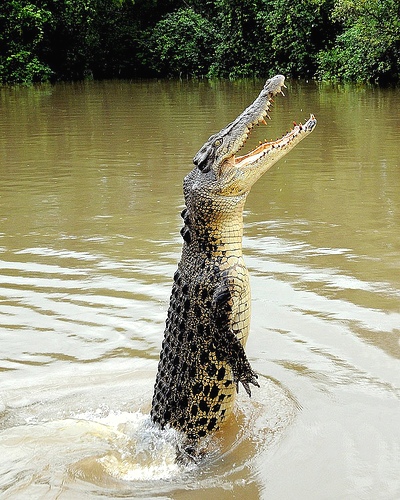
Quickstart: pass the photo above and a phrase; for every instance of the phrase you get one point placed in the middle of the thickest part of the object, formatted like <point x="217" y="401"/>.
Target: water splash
<point x="139" y="450"/>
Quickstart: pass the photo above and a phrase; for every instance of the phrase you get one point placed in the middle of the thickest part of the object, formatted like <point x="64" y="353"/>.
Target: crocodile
<point x="202" y="360"/>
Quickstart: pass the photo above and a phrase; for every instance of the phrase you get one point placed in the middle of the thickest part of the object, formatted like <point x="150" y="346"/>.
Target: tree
<point x="75" y="39"/>
<point x="22" y="29"/>
<point x="294" y="32"/>
<point x="181" y="44"/>
<point x="261" y="37"/>
<point x="368" y="49"/>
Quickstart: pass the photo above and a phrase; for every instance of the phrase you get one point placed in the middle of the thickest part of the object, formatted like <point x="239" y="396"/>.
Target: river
<point x="90" y="196"/>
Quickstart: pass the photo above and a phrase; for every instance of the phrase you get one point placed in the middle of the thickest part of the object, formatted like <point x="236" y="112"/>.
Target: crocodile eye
<point x="217" y="143"/>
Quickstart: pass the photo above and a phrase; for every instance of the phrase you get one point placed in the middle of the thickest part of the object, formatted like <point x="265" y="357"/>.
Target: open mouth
<point x="221" y="148"/>
<point x="270" y="147"/>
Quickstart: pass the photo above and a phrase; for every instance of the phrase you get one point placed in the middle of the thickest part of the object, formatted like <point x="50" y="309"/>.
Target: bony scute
<point x="203" y="359"/>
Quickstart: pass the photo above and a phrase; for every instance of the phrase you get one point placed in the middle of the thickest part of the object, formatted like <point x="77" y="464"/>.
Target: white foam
<point x="141" y="451"/>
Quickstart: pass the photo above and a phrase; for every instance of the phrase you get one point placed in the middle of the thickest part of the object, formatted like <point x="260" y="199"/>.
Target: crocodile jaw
<point x="238" y="174"/>
<point x="234" y="176"/>
<point x="230" y="139"/>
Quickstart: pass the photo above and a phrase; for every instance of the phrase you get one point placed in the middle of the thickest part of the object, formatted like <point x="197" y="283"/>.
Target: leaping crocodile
<point x="202" y="359"/>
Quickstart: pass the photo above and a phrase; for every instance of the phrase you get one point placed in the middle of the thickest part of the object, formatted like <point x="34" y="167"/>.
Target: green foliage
<point x="75" y="39"/>
<point x="368" y="50"/>
<point x="181" y="44"/>
<point x="75" y="36"/>
<point x="92" y="38"/>
<point x="294" y="33"/>
<point x="237" y="41"/>
<point x="23" y="67"/>
<point x="22" y="28"/>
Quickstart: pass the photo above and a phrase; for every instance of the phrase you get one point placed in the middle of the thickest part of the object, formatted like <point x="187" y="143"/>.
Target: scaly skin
<point x="202" y="359"/>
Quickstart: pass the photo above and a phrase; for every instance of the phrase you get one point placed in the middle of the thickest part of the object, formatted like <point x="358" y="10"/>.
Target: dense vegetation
<point x="357" y="40"/>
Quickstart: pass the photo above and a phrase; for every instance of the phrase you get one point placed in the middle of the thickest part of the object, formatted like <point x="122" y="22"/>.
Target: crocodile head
<point x="226" y="174"/>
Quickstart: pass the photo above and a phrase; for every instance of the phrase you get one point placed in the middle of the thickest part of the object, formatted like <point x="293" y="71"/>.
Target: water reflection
<point x="89" y="238"/>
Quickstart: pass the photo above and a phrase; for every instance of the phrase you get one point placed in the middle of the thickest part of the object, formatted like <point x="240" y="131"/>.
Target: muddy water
<point x="90" y="196"/>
